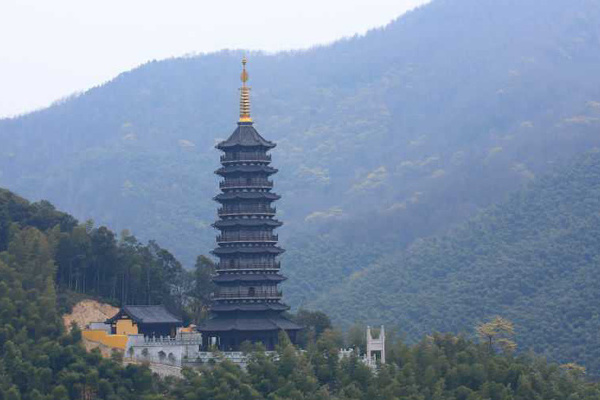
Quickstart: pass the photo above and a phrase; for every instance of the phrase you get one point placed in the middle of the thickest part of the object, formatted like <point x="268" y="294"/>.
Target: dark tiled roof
<point x="249" y="307"/>
<point x="248" y="250"/>
<point x="147" y="315"/>
<point x="249" y="278"/>
<point x="228" y="223"/>
<point x="245" y="136"/>
<point x="245" y="168"/>
<point x="247" y="196"/>
<point x="275" y="323"/>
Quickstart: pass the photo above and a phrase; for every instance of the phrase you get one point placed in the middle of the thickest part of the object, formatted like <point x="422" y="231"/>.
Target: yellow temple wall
<point x="102" y="337"/>
<point x="116" y="341"/>
<point x="95" y="336"/>
<point x="126" y="327"/>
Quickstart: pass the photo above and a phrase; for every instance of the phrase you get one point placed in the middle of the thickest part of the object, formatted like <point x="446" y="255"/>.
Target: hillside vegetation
<point x="90" y="261"/>
<point x="39" y="360"/>
<point x="533" y="258"/>
<point x="383" y="138"/>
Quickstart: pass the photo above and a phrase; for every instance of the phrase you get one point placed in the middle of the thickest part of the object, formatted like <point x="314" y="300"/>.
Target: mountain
<point x="383" y="138"/>
<point x="533" y="259"/>
<point x="39" y="360"/>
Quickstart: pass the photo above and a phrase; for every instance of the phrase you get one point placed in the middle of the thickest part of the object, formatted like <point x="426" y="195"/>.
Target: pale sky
<point x="50" y="49"/>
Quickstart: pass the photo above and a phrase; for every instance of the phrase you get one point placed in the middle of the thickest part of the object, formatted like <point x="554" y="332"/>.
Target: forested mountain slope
<point x="40" y="361"/>
<point x="383" y="139"/>
<point x="533" y="259"/>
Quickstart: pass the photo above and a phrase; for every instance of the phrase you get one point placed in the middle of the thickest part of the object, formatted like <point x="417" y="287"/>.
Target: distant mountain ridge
<point x="382" y="139"/>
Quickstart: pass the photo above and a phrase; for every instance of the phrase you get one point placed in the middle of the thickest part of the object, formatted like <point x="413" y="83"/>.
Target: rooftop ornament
<point x="245" y="95"/>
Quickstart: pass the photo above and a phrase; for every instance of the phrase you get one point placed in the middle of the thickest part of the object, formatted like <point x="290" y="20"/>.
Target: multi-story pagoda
<point x="247" y="302"/>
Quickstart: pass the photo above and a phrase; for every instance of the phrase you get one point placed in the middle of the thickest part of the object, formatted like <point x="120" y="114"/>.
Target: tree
<point x="357" y="337"/>
<point x="202" y="288"/>
<point x="498" y="334"/>
<point x="574" y="369"/>
<point x="314" y="324"/>
<point x="60" y="393"/>
<point x="13" y="394"/>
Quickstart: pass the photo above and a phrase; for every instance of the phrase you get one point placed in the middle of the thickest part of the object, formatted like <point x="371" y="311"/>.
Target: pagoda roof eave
<point x="246" y="196"/>
<point x="245" y="136"/>
<point x="226" y="278"/>
<point x="229" y="223"/>
<point x="248" y="250"/>
<point x="232" y="169"/>
<point x="248" y="324"/>
<point x="262" y="306"/>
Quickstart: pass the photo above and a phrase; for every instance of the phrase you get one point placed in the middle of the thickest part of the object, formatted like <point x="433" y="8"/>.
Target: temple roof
<point x="248" y="250"/>
<point x="245" y="136"/>
<point x="248" y="324"/>
<point x="231" y="169"/>
<point x="222" y="278"/>
<point x="228" y="223"/>
<point x="146" y="315"/>
<point x="247" y="196"/>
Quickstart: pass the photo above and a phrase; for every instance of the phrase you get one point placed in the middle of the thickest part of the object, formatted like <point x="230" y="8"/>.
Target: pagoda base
<point x="228" y="334"/>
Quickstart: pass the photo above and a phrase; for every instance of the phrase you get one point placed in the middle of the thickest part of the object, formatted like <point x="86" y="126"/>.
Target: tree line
<point x="119" y="269"/>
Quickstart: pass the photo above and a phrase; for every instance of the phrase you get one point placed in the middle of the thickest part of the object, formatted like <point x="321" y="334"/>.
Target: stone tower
<point x="375" y="347"/>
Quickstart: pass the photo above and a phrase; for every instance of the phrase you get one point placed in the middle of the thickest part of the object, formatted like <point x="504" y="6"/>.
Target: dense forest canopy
<point x="40" y="361"/>
<point x="533" y="258"/>
<point x="90" y="261"/>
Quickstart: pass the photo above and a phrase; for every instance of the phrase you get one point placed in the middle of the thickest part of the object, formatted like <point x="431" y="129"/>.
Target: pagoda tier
<point x="247" y="303"/>
<point x="256" y="278"/>
<point x="246" y="196"/>
<point x="240" y="170"/>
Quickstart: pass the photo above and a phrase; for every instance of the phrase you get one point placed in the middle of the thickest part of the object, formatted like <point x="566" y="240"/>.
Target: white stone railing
<point x="179" y="340"/>
<point x="192" y="360"/>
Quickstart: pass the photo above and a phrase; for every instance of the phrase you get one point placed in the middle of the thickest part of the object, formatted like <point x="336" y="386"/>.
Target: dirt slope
<point x="87" y="311"/>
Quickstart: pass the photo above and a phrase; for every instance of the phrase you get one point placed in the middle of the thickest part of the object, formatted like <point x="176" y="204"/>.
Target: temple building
<point x="247" y="303"/>
<point x="152" y="321"/>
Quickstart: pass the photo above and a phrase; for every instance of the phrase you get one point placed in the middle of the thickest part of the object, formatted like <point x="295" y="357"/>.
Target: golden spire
<point x="245" y="95"/>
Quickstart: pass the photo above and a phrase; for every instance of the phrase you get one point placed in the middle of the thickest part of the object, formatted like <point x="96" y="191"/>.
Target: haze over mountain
<point x="382" y="139"/>
<point x="533" y="259"/>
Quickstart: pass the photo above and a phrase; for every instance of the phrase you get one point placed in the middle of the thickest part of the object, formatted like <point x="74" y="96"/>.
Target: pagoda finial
<point x="245" y="95"/>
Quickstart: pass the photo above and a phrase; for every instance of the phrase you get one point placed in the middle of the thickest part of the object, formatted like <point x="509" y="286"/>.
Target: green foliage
<point x="438" y="367"/>
<point x="314" y="323"/>
<point x="201" y="288"/>
<point x="89" y="261"/>
<point x="498" y="334"/>
<point x="38" y="360"/>
<point x="532" y="259"/>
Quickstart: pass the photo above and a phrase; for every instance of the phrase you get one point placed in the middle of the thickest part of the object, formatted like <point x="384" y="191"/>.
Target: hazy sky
<point x="50" y="49"/>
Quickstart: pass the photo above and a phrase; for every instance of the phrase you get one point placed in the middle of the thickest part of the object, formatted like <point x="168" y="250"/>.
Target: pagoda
<point x="246" y="305"/>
